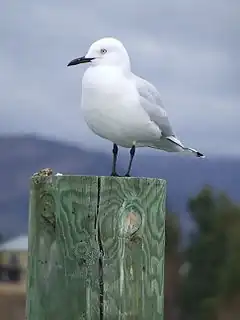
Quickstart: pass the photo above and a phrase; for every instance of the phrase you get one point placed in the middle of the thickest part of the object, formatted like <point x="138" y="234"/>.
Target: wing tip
<point x="197" y="153"/>
<point x="200" y="155"/>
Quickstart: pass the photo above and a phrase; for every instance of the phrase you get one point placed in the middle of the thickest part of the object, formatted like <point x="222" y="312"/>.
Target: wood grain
<point x="96" y="248"/>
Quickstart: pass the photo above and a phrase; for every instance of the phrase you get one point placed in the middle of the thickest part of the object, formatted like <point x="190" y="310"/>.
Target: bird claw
<point x="114" y="174"/>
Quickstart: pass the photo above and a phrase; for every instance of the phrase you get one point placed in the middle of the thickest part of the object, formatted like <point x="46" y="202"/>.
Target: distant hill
<point x="21" y="156"/>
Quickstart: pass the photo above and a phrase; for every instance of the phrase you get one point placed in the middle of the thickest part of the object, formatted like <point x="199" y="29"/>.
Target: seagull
<point x="121" y="107"/>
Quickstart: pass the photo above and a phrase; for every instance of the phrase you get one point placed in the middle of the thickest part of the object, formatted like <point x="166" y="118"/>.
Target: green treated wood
<point x="96" y="248"/>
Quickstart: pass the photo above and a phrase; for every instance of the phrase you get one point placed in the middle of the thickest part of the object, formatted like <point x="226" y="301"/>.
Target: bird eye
<point x="103" y="51"/>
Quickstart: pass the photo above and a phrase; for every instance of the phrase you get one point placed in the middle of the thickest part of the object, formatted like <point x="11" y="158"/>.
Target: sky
<point x="188" y="49"/>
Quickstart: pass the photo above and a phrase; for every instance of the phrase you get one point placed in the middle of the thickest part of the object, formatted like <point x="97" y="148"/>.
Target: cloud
<point x="188" y="49"/>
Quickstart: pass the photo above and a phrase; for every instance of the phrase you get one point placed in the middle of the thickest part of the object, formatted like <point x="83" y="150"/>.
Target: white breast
<point x="111" y="107"/>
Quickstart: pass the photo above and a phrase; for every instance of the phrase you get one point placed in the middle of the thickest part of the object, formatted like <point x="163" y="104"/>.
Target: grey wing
<point x="152" y="104"/>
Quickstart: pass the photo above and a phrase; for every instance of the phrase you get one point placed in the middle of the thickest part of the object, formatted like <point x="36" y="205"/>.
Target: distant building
<point x="13" y="266"/>
<point x="13" y="261"/>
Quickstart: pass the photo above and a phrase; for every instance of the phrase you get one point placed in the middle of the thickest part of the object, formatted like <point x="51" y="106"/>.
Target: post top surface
<point x="47" y="174"/>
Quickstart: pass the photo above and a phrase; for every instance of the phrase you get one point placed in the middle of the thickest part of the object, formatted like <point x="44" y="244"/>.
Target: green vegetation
<point x="211" y="284"/>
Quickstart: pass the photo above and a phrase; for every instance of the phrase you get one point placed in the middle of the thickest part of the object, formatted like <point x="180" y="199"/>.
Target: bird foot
<point x="114" y="174"/>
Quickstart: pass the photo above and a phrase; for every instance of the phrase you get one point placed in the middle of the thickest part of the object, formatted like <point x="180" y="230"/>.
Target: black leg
<point x="115" y="153"/>
<point x="132" y="153"/>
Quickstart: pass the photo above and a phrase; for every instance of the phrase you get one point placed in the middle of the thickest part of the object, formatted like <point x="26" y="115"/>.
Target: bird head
<point x="106" y="51"/>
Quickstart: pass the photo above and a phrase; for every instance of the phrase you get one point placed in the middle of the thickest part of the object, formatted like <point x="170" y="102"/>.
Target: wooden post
<point x="96" y="248"/>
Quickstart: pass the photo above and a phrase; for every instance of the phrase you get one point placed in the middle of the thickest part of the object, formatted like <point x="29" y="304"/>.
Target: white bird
<point x="122" y="107"/>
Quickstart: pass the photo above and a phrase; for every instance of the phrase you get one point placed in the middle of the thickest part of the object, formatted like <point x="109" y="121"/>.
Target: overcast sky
<point x="189" y="49"/>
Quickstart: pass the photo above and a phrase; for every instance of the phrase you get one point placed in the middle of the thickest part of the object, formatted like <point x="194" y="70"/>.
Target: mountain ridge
<point x="21" y="156"/>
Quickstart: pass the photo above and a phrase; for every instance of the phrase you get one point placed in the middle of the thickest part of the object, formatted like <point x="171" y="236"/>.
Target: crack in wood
<point x="101" y="255"/>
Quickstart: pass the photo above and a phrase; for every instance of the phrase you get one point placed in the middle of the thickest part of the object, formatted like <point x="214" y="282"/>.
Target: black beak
<point x="79" y="60"/>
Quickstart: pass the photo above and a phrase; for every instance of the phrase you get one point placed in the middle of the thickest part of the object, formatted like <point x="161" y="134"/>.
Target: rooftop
<point x="19" y="243"/>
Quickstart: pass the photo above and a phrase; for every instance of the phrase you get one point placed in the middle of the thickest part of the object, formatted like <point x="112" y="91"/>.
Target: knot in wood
<point x="85" y="253"/>
<point x="47" y="203"/>
<point x="132" y="222"/>
<point x="130" y="218"/>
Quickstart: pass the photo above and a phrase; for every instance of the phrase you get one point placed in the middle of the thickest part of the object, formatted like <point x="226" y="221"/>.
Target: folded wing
<point x="152" y="104"/>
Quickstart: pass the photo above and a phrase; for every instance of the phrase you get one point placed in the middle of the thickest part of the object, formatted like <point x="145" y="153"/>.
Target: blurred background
<point x="190" y="51"/>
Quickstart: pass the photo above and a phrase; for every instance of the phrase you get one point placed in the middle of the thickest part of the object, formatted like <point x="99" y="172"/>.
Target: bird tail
<point x="174" y="140"/>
